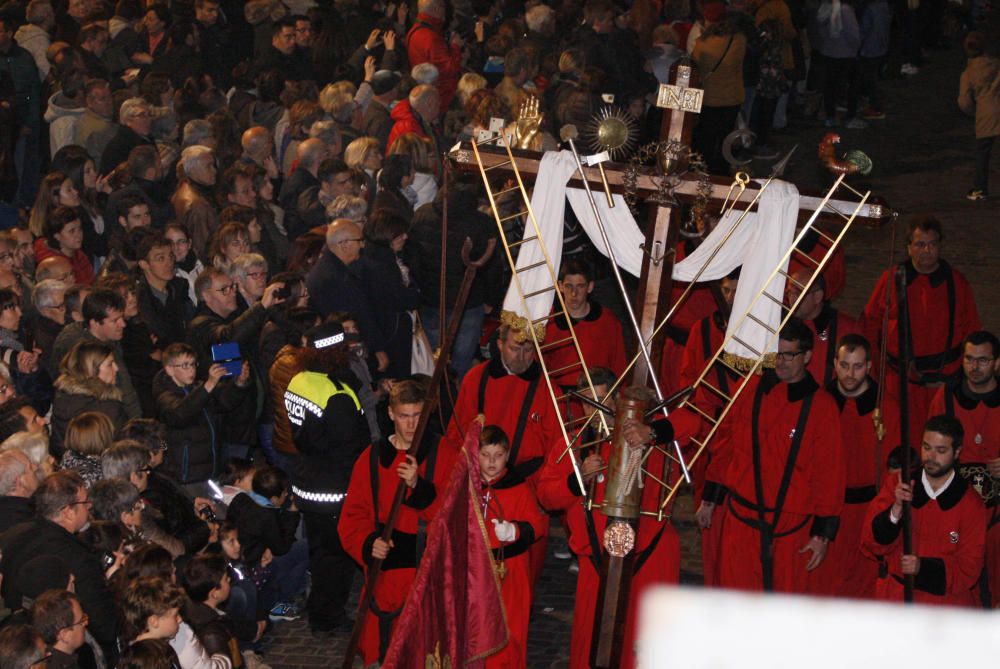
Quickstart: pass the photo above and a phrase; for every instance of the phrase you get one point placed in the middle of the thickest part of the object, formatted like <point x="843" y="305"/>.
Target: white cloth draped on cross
<point x="758" y="245"/>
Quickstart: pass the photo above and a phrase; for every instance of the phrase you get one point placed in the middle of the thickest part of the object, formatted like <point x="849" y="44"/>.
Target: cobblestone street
<point x="923" y="157"/>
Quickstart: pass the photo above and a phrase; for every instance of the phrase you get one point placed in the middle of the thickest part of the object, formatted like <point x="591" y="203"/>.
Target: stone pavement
<point x="923" y="156"/>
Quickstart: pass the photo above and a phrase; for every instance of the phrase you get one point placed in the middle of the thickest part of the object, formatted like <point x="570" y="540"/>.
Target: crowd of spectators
<point x="189" y="189"/>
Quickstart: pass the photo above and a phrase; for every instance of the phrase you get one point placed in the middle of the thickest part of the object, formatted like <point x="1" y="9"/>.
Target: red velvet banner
<point x="454" y="616"/>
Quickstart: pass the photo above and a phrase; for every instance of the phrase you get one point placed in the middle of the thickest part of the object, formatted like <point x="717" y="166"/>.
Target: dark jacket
<point x="176" y="514"/>
<point x="118" y="148"/>
<point x="262" y="527"/>
<point x="46" y="330"/>
<point x="193" y="419"/>
<point x="333" y="286"/>
<point x="15" y="510"/>
<point x="216" y="632"/>
<point x="288" y="199"/>
<point x="38" y="537"/>
<point x="75" y="332"/>
<point x="20" y="65"/>
<point x="310" y="211"/>
<point x="138" y="350"/>
<point x="377" y="123"/>
<point x="167" y="319"/>
<point x="464" y="220"/>
<point x="382" y="280"/>
<point x="76" y="395"/>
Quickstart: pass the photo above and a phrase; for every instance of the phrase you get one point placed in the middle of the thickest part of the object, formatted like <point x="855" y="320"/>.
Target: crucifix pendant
<point x="978" y="439"/>
<point x="501" y="569"/>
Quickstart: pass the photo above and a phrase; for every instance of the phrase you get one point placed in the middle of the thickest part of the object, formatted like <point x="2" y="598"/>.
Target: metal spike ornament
<point x="614" y="130"/>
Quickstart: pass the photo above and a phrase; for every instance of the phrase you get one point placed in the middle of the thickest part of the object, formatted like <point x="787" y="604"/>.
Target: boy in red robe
<point x="597" y="329"/>
<point x="974" y="399"/>
<point x="847" y="571"/>
<point x="948" y="525"/>
<point x="513" y="521"/>
<point x="369" y="499"/>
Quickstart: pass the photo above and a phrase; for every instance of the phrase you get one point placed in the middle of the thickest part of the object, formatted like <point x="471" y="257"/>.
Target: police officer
<point x="329" y="431"/>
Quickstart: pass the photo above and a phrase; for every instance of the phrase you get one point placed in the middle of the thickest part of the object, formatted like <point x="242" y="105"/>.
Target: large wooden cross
<point x="681" y="100"/>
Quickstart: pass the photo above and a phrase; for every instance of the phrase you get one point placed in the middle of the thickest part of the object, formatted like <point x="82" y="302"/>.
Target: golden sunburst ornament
<point x="614" y="130"/>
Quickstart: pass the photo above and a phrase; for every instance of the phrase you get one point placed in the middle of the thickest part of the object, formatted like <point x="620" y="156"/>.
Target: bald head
<point x="424" y="100"/>
<point x="433" y="8"/>
<point x="55" y="267"/>
<point x="344" y="239"/>
<point x="311" y="154"/>
<point x="256" y="143"/>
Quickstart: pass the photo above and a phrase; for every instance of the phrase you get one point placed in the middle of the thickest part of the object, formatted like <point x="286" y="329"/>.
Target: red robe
<point x="827" y="329"/>
<point x="601" y="341"/>
<point x="948" y="537"/>
<point x="657" y="546"/>
<point x="814" y="495"/>
<point x="847" y="571"/>
<point x="502" y="398"/>
<point x="835" y="272"/>
<point x="704" y="340"/>
<point x="699" y="303"/>
<point x="361" y="523"/>
<point x="512" y="499"/>
<point x="936" y="354"/>
<point x="980" y="417"/>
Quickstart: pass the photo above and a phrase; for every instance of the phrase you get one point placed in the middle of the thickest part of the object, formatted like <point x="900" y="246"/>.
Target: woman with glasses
<point x="86" y="383"/>
<point x="117" y="500"/>
<point x="186" y="263"/>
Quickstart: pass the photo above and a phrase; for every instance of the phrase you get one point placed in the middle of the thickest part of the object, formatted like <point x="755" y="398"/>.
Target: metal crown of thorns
<point x="695" y="163"/>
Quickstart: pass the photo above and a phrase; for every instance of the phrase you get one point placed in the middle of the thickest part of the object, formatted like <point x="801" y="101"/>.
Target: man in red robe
<point x="974" y="399"/>
<point x="782" y="475"/>
<point x="513" y="521"/>
<point x="366" y="509"/>
<point x="510" y="392"/>
<point x="705" y="338"/>
<point x="846" y="571"/>
<point x="948" y="525"/>
<point x="827" y="323"/>
<point x="942" y="313"/>
<point x="597" y="329"/>
<point x="657" y="548"/>
<point x="835" y="272"/>
<point x="699" y="303"/>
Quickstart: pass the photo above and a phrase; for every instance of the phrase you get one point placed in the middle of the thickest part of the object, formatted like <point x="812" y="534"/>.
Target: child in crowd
<point x="514" y="521"/>
<point x="206" y="580"/>
<point x="251" y="595"/>
<point x="237" y="478"/>
<point x="266" y="524"/>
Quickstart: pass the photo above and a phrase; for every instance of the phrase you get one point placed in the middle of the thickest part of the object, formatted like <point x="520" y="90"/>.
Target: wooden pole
<point x="430" y="405"/>
<point x="903" y="329"/>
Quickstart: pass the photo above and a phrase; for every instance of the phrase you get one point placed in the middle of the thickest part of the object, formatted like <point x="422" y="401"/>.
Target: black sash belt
<point x="767" y="530"/>
<point x="860" y="495"/>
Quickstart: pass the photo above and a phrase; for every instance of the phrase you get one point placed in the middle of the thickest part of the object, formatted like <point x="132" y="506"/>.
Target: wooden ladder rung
<point x="747" y="346"/>
<point x="531" y="266"/>
<point x="710" y="419"/>
<point x="806" y="256"/>
<point x="493" y="167"/>
<point x="556" y="372"/>
<point x="523" y="241"/>
<point x="823" y="234"/>
<point x="720" y="359"/>
<point x="788" y="276"/>
<point x="761" y="323"/>
<point x="771" y="297"/>
<point x="555" y="344"/>
<point x="513" y="216"/>
<point x="537" y="292"/>
<point x="718" y="392"/>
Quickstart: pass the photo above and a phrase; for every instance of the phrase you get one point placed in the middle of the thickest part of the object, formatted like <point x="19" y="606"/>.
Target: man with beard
<point x="974" y="399"/>
<point x="782" y="470"/>
<point x="948" y="524"/>
<point x="847" y="572"/>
